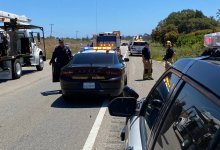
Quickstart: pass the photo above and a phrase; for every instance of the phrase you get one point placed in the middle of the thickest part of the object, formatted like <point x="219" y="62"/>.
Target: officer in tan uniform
<point x="147" y="62"/>
<point x="170" y="54"/>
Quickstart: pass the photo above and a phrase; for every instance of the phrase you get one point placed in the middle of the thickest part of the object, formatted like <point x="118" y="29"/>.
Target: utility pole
<point x="96" y="17"/>
<point x="77" y="33"/>
<point x="51" y="29"/>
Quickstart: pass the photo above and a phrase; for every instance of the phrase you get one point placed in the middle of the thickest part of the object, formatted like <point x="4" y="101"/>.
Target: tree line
<point x="185" y="28"/>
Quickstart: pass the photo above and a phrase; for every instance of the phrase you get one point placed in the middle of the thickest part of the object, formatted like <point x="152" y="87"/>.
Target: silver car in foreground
<point x="182" y="111"/>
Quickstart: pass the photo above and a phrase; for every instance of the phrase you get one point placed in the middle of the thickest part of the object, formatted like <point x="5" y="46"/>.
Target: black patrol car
<point x="94" y="71"/>
<point x="182" y="111"/>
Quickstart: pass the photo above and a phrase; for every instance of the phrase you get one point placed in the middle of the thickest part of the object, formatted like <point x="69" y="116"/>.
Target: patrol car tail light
<point x="66" y="73"/>
<point x="113" y="72"/>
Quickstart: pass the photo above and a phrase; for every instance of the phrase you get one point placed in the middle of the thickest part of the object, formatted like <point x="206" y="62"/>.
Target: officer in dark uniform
<point x="168" y="58"/>
<point x="146" y="58"/>
<point x="61" y="57"/>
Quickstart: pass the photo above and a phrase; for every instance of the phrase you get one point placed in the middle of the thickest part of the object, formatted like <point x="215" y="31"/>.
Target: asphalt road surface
<point x="35" y="116"/>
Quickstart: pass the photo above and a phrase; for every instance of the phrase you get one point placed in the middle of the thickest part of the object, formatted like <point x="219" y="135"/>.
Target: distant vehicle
<point x="97" y="71"/>
<point x="19" y="45"/>
<point x="111" y="39"/>
<point x="182" y="110"/>
<point x="136" y="47"/>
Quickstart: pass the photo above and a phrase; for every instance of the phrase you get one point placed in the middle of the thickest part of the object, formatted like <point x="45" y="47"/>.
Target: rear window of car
<point x="94" y="58"/>
<point x="139" y="43"/>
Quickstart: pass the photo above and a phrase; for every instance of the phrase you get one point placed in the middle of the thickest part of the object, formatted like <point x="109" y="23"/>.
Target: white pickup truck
<point x="136" y="47"/>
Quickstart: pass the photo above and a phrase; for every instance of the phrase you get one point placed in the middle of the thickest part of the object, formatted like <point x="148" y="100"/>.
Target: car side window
<point x="157" y="99"/>
<point x="191" y="123"/>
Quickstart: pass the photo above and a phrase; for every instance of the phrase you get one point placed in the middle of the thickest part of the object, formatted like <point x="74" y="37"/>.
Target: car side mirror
<point x="129" y="92"/>
<point x="122" y="106"/>
<point x="126" y="59"/>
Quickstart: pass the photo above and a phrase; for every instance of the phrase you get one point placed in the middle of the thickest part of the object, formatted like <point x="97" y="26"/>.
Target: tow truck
<point x="109" y="39"/>
<point x="19" y="45"/>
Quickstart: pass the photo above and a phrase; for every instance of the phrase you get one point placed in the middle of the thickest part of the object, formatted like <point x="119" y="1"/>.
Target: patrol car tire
<point x="16" y="69"/>
<point x="41" y="64"/>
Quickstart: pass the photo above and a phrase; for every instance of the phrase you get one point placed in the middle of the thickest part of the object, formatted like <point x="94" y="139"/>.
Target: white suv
<point x="136" y="47"/>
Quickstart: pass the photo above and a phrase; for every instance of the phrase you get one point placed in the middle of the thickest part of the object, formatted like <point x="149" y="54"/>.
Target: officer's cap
<point x="61" y="40"/>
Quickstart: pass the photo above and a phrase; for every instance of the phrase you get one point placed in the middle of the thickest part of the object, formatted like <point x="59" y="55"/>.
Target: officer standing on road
<point x="170" y="54"/>
<point x="61" y="57"/>
<point x="146" y="58"/>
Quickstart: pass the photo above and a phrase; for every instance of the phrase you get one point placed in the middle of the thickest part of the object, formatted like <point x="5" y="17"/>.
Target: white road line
<point x="95" y="128"/>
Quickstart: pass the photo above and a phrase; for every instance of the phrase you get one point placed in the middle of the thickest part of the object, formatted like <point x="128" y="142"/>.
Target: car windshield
<point x="94" y="58"/>
<point x="139" y="43"/>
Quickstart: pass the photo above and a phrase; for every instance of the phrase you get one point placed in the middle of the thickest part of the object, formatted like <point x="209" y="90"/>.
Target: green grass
<point x="158" y="51"/>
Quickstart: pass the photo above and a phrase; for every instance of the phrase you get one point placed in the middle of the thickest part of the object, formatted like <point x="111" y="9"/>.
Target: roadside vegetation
<point x="185" y="29"/>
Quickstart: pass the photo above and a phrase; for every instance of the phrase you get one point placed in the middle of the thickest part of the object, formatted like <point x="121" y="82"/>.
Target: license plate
<point x="88" y="85"/>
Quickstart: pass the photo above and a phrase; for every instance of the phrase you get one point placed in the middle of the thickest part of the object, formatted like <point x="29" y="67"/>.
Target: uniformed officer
<point x="61" y="57"/>
<point x="146" y="58"/>
<point x="170" y="54"/>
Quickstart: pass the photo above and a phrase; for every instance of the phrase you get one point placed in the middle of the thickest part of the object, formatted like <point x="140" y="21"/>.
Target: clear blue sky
<point x="130" y="17"/>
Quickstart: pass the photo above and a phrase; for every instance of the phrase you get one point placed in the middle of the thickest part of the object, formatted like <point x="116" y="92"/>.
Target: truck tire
<point x="16" y="69"/>
<point x="41" y="64"/>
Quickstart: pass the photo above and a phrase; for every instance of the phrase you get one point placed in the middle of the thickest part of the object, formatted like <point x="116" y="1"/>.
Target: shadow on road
<point x="78" y="102"/>
<point x="2" y="81"/>
<point x="135" y="55"/>
<point x="24" y="72"/>
<point x="140" y="80"/>
<point x="54" y="92"/>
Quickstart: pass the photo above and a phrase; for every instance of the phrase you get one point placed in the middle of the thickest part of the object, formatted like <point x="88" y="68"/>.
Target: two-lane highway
<point x="35" y="116"/>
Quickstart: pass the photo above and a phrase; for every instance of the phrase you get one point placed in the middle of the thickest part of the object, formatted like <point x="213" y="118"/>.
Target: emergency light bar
<point x="212" y="40"/>
<point x="102" y="48"/>
<point x="104" y="45"/>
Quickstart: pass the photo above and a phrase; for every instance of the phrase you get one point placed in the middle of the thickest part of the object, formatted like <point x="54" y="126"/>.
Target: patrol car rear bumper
<point x="108" y="88"/>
